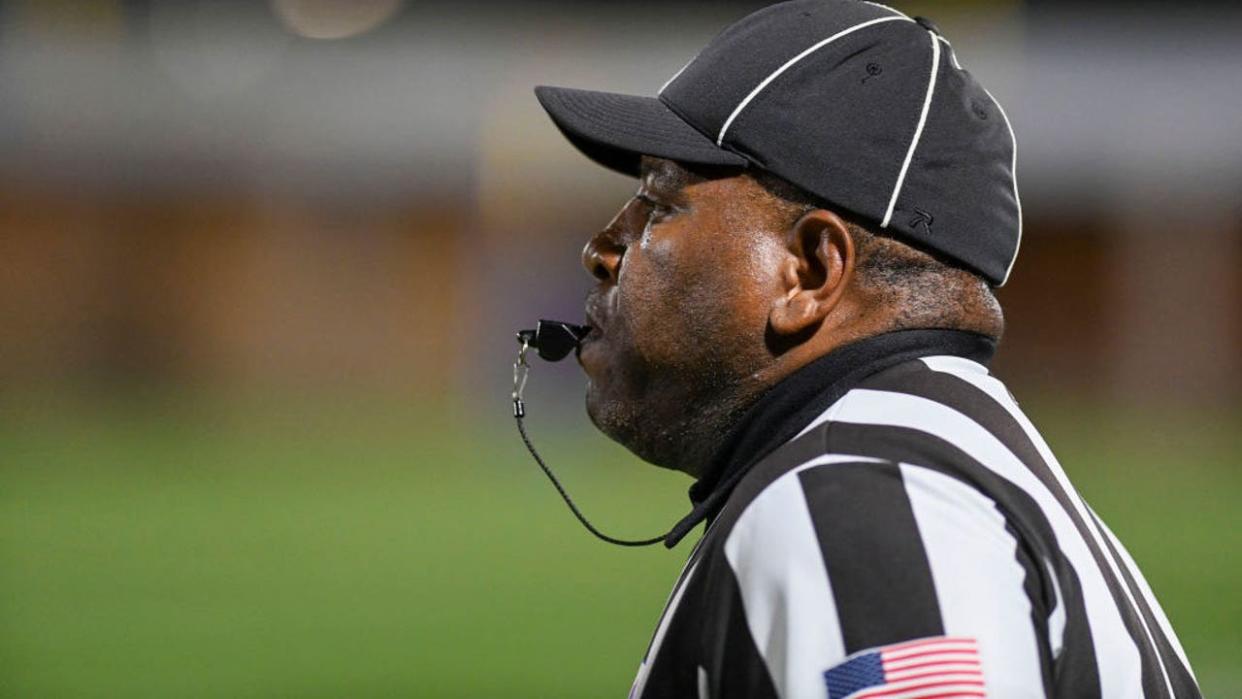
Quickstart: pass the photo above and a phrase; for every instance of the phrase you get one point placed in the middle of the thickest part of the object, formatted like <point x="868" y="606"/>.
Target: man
<point x="796" y="309"/>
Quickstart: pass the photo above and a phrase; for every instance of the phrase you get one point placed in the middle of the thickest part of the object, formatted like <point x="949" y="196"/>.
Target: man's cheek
<point x="651" y="327"/>
<point x="659" y="294"/>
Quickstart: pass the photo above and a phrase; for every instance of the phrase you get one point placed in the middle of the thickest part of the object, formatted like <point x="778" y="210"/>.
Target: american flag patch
<point x="929" y="668"/>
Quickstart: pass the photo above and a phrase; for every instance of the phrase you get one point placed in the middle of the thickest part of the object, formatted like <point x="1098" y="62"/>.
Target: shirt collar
<point x="793" y="402"/>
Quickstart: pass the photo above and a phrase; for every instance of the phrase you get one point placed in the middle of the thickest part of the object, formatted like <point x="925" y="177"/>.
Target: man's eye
<point x="656" y="210"/>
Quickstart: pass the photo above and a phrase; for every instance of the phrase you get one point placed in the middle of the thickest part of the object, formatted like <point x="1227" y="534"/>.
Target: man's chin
<point x="594" y="409"/>
<point x="618" y="424"/>
<point x="606" y="415"/>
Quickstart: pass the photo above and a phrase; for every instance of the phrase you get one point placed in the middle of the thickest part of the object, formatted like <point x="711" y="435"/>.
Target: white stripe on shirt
<point x="774" y="552"/>
<point x="980" y="585"/>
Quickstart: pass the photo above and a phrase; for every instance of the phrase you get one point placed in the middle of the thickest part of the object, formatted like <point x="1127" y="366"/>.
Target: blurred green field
<point x="183" y="549"/>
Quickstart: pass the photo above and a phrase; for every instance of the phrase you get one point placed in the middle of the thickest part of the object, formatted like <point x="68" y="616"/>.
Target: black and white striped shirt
<point x="892" y="492"/>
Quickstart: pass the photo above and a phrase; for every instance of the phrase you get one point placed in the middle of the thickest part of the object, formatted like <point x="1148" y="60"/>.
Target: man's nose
<point x="601" y="256"/>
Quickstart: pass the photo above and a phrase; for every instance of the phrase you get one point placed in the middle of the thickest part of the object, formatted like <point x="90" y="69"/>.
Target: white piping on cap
<point x="1013" y="173"/>
<point x="675" y="75"/>
<point x="952" y="53"/>
<point x="788" y="64"/>
<point x="918" y="130"/>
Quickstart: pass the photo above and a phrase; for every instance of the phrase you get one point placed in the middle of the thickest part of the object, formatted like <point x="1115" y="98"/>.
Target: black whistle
<point x="554" y="339"/>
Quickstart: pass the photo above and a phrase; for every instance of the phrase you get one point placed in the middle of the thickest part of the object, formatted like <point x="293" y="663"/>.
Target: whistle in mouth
<point x="553" y="339"/>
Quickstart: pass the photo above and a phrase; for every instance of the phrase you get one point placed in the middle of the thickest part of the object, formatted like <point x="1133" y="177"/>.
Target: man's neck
<point x="777" y="415"/>
<point x="720" y="413"/>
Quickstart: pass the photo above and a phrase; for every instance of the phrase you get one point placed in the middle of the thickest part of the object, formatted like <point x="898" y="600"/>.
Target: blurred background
<point x="261" y="263"/>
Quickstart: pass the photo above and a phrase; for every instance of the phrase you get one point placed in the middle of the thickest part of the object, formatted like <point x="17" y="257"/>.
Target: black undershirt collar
<point x="790" y="405"/>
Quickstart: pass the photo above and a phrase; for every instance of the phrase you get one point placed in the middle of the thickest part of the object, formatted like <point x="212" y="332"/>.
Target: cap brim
<point x="617" y="130"/>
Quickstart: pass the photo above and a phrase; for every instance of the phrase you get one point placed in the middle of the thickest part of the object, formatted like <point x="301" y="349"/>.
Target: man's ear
<point x="818" y="264"/>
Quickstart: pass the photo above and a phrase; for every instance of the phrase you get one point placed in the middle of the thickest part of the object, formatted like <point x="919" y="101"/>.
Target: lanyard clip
<point x="520" y="370"/>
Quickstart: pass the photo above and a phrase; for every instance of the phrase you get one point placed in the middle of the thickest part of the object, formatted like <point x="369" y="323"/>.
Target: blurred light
<point x="334" y="19"/>
<point x="213" y="49"/>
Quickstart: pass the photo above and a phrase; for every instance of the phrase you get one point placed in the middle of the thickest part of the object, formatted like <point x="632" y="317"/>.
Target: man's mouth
<point x="594" y="318"/>
<point x="589" y="338"/>
<point x="595" y="311"/>
<point x="595" y="334"/>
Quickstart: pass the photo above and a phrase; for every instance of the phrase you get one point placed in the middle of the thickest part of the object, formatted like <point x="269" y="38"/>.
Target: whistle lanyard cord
<point x="568" y="501"/>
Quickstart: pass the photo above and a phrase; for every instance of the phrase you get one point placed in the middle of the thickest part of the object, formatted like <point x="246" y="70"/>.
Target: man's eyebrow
<point x="663" y="176"/>
<point x="653" y="171"/>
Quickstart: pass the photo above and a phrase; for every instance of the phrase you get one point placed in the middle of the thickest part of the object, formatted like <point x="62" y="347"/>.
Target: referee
<point x="796" y="308"/>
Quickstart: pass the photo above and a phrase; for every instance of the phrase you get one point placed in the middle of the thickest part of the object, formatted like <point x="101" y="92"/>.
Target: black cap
<point x="850" y="100"/>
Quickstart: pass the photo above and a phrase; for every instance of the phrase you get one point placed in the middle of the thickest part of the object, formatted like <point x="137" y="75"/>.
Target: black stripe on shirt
<point x="709" y="630"/>
<point x="1041" y="599"/>
<point x="1077" y="667"/>
<point x="881" y="579"/>
<point x="691" y="560"/>
<point x="674" y="664"/>
<point x="735" y="668"/>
